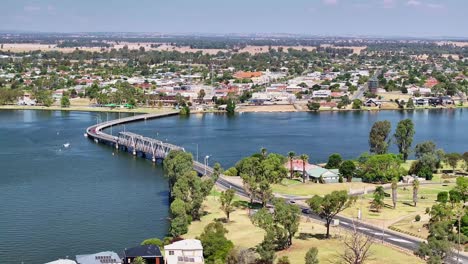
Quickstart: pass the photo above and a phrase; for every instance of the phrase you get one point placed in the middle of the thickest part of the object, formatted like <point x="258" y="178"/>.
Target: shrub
<point x="428" y="210"/>
<point x="417" y="218"/>
<point x="442" y="197"/>
<point x="231" y="172"/>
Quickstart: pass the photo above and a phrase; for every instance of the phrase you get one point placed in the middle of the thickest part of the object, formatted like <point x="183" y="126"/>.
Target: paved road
<point x="359" y="94"/>
<point x="379" y="234"/>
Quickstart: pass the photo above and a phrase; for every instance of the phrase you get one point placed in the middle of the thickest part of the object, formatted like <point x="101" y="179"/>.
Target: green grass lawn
<point x="244" y="234"/>
<point x="296" y="187"/>
<point x="405" y="207"/>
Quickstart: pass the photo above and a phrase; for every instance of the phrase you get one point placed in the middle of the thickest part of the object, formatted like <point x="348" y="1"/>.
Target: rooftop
<point x="189" y="244"/>
<point x="143" y="251"/>
<point x="108" y="257"/>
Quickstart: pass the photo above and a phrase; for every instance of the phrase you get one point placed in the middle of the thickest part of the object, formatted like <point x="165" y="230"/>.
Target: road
<point x="382" y="235"/>
<point x="359" y="94"/>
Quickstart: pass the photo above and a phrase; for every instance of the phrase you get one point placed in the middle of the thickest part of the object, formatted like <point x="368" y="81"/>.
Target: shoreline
<point x="251" y="109"/>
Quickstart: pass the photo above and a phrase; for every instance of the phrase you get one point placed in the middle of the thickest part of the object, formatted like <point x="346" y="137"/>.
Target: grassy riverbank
<point x="244" y="234"/>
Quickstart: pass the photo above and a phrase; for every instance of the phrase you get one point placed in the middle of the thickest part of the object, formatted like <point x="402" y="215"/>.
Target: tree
<point x="439" y="245"/>
<point x="330" y="205"/>
<point x="347" y="170"/>
<point x="231" y="106"/>
<point x="462" y="187"/>
<point x="153" y="241"/>
<point x="65" y="102"/>
<point x="192" y="190"/>
<point x="138" y="260"/>
<point x="455" y="196"/>
<point x="215" y="244"/>
<point x="378" y="137"/>
<point x="410" y="104"/>
<point x="266" y="249"/>
<point x="452" y="159"/>
<point x="283" y="260"/>
<point x="184" y="110"/>
<point x="180" y="220"/>
<point x="379" y="195"/>
<point x="442" y="197"/>
<point x="313" y="106"/>
<point x="428" y="155"/>
<point x="263" y="151"/>
<point x="380" y="168"/>
<point x="357" y="247"/>
<point x="415" y="191"/>
<point x="258" y="174"/>
<point x="311" y="256"/>
<point x="282" y="224"/>
<point x="357" y="104"/>
<point x="201" y="94"/>
<point x="241" y="256"/>
<point x="334" y="161"/>
<point x="404" y="137"/>
<point x="291" y="155"/>
<point x="394" y="191"/>
<point x="175" y="164"/>
<point x="304" y="159"/>
<point x="226" y="202"/>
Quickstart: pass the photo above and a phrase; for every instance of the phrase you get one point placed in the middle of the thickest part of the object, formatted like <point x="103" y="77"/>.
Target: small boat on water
<point x="66" y="145"/>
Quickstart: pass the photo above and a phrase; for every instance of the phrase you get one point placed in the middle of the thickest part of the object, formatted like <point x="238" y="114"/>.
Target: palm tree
<point x="263" y="151"/>
<point x="291" y="155"/>
<point x="304" y="159"/>
<point x="415" y="191"/>
<point x="394" y="191"/>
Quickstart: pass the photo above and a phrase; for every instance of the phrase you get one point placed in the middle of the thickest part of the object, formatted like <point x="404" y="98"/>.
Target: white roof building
<point x="62" y="261"/>
<point x="184" y="252"/>
<point x="107" y="257"/>
<point x="321" y="94"/>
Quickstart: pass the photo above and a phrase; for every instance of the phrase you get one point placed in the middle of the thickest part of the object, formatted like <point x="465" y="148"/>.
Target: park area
<point x="245" y="235"/>
<point x="405" y="211"/>
<point x="297" y="188"/>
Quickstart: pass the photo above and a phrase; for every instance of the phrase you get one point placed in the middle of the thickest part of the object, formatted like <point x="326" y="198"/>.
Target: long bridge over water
<point x="157" y="150"/>
<point x="140" y="145"/>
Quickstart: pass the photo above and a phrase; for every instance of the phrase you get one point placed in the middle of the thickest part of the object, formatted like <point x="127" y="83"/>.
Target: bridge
<point x="137" y="144"/>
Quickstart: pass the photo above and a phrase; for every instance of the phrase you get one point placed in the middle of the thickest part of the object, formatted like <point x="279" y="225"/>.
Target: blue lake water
<point x="57" y="202"/>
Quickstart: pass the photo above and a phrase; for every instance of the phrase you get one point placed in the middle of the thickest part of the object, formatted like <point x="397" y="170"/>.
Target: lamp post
<point x="206" y="162"/>
<point x="197" y="149"/>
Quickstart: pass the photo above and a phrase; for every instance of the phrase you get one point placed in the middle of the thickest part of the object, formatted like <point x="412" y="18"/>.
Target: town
<point x="337" y="76"/>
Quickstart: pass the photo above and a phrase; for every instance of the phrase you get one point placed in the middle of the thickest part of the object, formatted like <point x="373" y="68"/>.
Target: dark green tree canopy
<point x="378" y="137"/>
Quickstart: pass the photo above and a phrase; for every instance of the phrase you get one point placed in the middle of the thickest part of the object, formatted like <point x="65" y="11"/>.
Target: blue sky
<point x="317" y="17"/>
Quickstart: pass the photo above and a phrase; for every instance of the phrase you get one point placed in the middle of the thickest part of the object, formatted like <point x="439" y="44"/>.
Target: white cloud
<point x="389" y="3"/>
<point x="31" y="8"/>
<point x="435" y="6"/>
<point x="414" y="3"/>
<point x="330" y="2"/>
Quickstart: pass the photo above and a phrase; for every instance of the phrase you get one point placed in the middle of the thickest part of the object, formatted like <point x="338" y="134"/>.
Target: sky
<point x="416" y="18"/>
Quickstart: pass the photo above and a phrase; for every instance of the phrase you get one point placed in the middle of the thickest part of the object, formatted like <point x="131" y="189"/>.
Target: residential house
<point x="372" y="103"/>
<point x="431" y="82"/>
<point x="446" y="100"/>
<point x="150" y="253"/>
<point x="188" y="251"/>
<point x="321" y="174"/>
<point x="246" y="75"/>
<point x="106" y="257"/>
<point x="62" y="261"/>
<point x="321" y="94"/>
